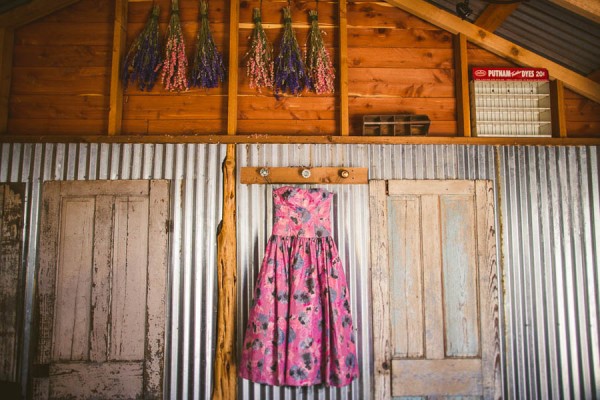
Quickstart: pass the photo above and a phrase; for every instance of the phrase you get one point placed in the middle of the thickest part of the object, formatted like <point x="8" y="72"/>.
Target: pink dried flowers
<point x="175" y="64"/>
<point x="259" y="59"/>
<point x="319" y="68"/>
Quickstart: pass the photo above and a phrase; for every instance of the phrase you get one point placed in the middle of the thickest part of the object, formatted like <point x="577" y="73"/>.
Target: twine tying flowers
<point x="144" y="56"/>
<point x="208" y="69"/>
<point x="174" y="66"/>
<point x="290" y="75"/>
<point x="259" y="59"/>
<point x="319" y="68"/>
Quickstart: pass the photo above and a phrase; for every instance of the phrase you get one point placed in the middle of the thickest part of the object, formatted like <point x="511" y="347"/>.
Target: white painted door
<point x="101" y="290"/>
<point x="435" y="293"/>
<point x="11" y="282"/>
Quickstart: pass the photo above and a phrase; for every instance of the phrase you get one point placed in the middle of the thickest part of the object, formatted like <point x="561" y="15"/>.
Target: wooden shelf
<point x="279" y="139"/>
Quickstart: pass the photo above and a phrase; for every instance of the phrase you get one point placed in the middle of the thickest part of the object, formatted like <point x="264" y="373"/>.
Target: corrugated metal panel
<point x="551" y="229"/>
<point x="195" y="171"/>
<point x="555" y="33"/>
<point x="546" y="29"/>
<point x="549" y="205"/>
<point x="351" y="223"/>
<point x="351" y="216"/>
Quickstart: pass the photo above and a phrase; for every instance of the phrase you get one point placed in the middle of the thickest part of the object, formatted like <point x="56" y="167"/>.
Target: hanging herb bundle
<point x="259" y="59"/>
<point x="144" y="56"/>
<point x="319" y="68"/>
<point x="208" y="69"/>
<point x="174" y="67"/>
<point x="290" y="75"/>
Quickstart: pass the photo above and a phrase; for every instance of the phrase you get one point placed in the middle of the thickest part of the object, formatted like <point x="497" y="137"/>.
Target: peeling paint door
<point x="101" y="290"/>
<point x="11" y="282"/>
<point x="435" y="293"/>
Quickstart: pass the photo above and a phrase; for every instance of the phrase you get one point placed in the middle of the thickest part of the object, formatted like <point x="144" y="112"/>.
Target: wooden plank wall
<point x="397" y="63"/>
<point x="308" y="114"/>
<point x="61" y="72"/>
<point x="196" y="111"/>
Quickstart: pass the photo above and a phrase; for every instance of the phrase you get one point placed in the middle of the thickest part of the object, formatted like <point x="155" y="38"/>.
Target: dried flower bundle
<point x="319" y="68"/>
<point x="174" y="67"/>
<point x="144" y="56"/>
<point x="259" y="59"/>
<point x="290" y="74"/>
<point x="208" y="69"/>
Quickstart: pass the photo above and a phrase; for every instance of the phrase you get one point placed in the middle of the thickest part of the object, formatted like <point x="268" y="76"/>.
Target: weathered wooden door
<point x="435" y="294"/>
<point x="101" y="290"/>
<point x="11" y="283"/>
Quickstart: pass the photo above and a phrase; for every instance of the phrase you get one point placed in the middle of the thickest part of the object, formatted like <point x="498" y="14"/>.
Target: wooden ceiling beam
<point x="32" y="11"/>
<point x="499" y="46"/>
<point x="494" y="15"/>
<point x="589" y="9"/>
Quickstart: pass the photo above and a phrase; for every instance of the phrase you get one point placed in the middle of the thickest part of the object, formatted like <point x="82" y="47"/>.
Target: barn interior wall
<point x="548" y="205"/>
<point x="397" y="63"/>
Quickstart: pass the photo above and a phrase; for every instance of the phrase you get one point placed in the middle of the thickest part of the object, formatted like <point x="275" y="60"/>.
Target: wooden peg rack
<point x="324" y="175"/>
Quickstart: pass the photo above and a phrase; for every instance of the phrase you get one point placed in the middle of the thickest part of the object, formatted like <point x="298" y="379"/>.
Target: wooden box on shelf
<point x="395" y="125"/>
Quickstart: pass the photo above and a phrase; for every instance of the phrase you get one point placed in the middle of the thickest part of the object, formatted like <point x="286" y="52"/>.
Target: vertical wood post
<point x="344" y="116"/>
<point x="557" y="106"/>
<point x="225" y="383"/>
<point x="380" y="276"/>
<point x="115" y="114"/>
<point x="461" y="68"/>
<point x="6" y="59"/>
<point x="232" y="101"/>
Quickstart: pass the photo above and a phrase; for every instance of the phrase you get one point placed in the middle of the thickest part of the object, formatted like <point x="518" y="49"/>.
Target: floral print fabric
<point x="299" y="330"/>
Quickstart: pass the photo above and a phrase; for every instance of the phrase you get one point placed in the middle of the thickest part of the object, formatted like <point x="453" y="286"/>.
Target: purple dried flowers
<point x="319" y="68"/>
<point x="208" y="69"/>
<point x="144" y="55"/>
<point x="259" y="59"/>
<point x="290" y="75"/>
<point x="174" y="66"/>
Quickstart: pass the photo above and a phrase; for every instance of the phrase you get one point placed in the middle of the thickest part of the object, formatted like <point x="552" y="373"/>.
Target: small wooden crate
<point x="395" y="125"/>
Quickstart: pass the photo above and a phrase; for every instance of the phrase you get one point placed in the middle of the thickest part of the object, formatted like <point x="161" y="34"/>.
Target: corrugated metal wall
<point x="351" y="230"/>
<point x="548" y="202"/>
<point x="551" y="244"/>
<point x="196" y="193"/>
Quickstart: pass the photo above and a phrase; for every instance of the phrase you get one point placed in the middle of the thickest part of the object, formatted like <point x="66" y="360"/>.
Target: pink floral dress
<point x="299" y="331"/>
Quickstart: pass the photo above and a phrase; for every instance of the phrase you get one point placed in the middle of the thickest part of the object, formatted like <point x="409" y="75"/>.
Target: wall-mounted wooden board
<point x="324" y="175"/>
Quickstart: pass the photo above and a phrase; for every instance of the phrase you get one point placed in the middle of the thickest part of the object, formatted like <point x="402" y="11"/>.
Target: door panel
<point x="459" y="271"/>
<point x="407" y="323"/>
<point x="74" y="280"/>
<point x="433" y="338"/>
<point x="129" y="279"/>
<point x="102" y="290"/>
<point x="11" y="279"/>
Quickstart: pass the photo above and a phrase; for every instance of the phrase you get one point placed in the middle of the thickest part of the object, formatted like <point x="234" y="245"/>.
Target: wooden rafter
<point x="499" y="46"/>
<point x="232" y="101"/>
<point x="344" y="113"/>
<point x="115" y="114"/>
<point x="461" y="63"/>
<point x="589" y="9"/>
<point x="494" y="15"/>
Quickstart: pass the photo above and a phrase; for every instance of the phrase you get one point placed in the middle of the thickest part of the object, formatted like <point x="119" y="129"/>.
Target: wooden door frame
<point x="154" y="346"/>
<point x="488" y="282"/>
